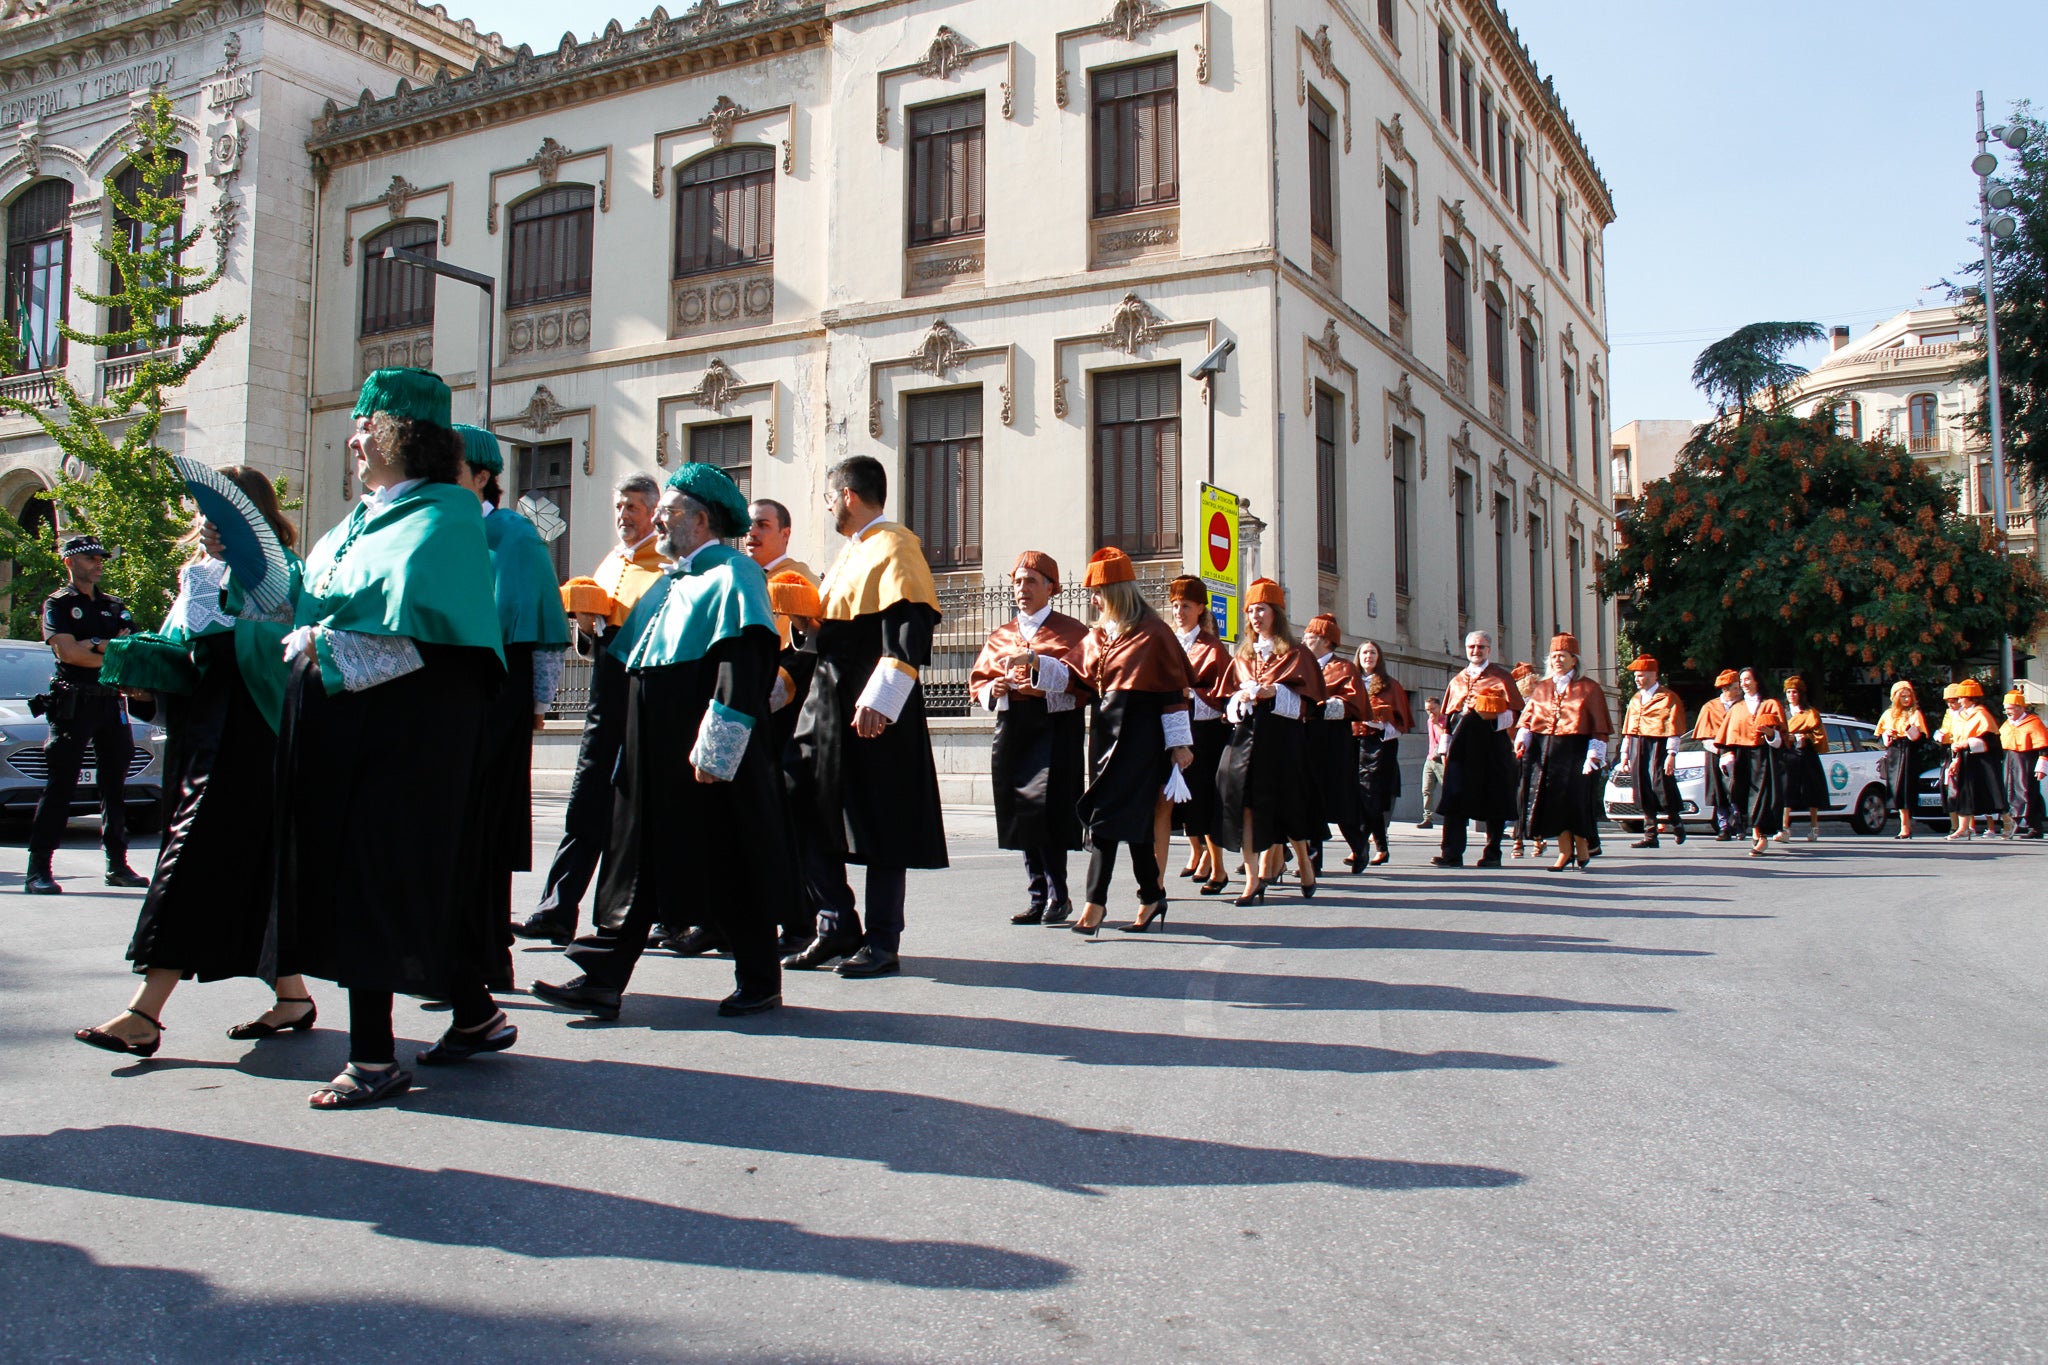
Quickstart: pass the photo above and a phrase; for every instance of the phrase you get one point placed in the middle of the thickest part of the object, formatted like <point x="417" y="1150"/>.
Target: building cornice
<point x="708" y="36"/>
<point x="83" y="37"/>
<point x="1538" y="94"/>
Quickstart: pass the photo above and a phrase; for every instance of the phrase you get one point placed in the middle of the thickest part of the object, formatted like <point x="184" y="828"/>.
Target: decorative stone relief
<point x="396" y="350"/>
<point x="948" y="54"/>
<point x="544" y="327"/>
<point x="542" y="413"/>
<point x="715" y="389"/>
<point x="721" y="119"/>
<point x="397" y="194"/>
<point x="721" y="302"/>
<point x="1328" y="348"/>
<point x="1133" y="326"/>
<point x="1127" y="21"/>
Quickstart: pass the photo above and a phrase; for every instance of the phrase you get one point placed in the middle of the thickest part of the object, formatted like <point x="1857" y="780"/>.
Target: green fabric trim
<point x="259" y="646"/>
<point x="529" y="600"/>
<point x="724" y="712"/>
<point x="720" y="594"/>
<point x="158" y="663"/>
<point x="418" y="567"/>
<point x="330" y="671"/>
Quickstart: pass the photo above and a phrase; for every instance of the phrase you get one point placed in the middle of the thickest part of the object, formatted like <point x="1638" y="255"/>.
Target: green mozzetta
<point x="259" y="646"/>
<point x="174" y="661"/>
<point x="145" y="659"/>
<point x="717" y="595"/>
<point x="529" y="600"/>
<point x="417" y="567"/>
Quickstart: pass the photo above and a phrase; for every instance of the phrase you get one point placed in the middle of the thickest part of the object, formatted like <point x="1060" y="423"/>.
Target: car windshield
<point x="24" y="673"/>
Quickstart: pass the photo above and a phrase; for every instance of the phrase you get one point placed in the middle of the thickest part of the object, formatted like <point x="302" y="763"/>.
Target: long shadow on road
<point x="1252" y="989"/>
<point x="1387" y="939"/>
<point x="468" y="1208"/>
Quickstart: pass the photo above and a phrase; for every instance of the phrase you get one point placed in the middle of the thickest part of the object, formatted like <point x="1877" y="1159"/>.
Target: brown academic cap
<point x="1267" y="591"/>
<point x="1039" y="562"/>
<point x="1109" y="565"/>
<point x="1727" y="677"/>
<point x="1187" y="589"/>
<point x="1325" y="625"/>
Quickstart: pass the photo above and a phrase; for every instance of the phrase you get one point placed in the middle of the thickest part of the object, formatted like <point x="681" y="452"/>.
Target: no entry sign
<point x="1218" y="558"/>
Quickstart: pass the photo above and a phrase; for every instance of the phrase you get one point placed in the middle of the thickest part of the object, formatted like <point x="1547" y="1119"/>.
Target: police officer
<point x="78" y="620"/>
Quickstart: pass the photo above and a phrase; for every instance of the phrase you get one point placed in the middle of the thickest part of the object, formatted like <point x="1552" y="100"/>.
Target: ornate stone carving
<point x="704" y="16"/>
<point x="221" y="214"/>
<point x="1009" y="405"/>
<point x="396" y="195"/>
<point x="721" y="119"/>
<point x="534" y="331"/>
<point x="719" y="303"/>
<point x="397" y="350"/>
<point x="948" y="267"/>
<point x="1137" y="239"/>
<point x="1329" y="347"/>
<point x="542" y="413"/>
<point x="1128" y="18"/>
<point x="714" y="390"/>
<point x="28" y="146"/>
<point x="1132" y="327"/>
<point x="1319" y="52"/>
<point x="947" y="54"/>
<point x="939" y="351"/>
<point x="548" y="160"/>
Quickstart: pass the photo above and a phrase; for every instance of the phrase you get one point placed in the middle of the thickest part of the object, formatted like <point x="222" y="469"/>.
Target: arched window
<point x="1923" y="425"/>
<point x="1457" y="320"/>
<point x="39" y="272"/>
<point x="549" y="254"/>
<point x="1849" y="419"/>
<point x="398" y="296"/>
<point x="1496" y="355"/>
<point x="137" y="234"/>
<point x="725" y="210"/>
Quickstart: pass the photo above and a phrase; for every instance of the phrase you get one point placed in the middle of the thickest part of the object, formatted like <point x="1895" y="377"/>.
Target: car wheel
<point x="1871" y="808"/>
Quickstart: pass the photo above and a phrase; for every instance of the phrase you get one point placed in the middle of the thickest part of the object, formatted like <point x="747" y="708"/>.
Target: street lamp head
<point x="1214" y="363"/>
<point x="2001" y="198"/>
<point x="2003" y="226"/>
<point x="1984" y="163"/>
<point x="2014" y="137"/>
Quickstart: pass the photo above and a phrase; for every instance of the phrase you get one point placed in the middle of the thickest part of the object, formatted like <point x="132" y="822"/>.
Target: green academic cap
<point x="415" y="394"/>
<point x="713" y="487"/>
<point x="480" y="448"/>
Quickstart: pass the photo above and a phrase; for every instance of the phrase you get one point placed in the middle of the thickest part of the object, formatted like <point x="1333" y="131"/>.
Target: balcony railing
<point x="119" y="372"/>
<point x="1459" y="370"/>
<point x="1925" y="443"/>
<point x="39" y="389"/>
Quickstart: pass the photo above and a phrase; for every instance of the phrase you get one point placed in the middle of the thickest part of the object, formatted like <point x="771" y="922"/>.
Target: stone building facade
<point x="986" y="243"/>
<point x="245" y="80"/>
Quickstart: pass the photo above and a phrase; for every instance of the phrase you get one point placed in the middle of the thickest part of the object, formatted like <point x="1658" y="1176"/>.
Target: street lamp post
<point x="1206" y="369"/>
<point x="1995" y="228"/>
<point x="487" y="342"/>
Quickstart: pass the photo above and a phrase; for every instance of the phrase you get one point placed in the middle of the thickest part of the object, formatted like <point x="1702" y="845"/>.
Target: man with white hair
<point x="1481" y="704"/>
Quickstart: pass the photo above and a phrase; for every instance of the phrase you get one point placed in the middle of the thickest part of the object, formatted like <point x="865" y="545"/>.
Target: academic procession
<point x="757" y="732"/>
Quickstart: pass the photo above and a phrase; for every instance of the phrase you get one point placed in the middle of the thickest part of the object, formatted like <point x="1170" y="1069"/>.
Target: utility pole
<point x="1993" y="229"/>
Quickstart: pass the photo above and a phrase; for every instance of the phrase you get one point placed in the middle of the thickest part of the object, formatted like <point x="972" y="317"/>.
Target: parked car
<point x="1853" y="764"/>
<point x="25" y="672"/>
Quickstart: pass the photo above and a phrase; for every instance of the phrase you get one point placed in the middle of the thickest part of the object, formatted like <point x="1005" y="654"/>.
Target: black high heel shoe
<point x="1308" y="890"/>
<point x="1139" y="926"/>
<point x="1216" y="887"/>
<point x="1254" y="894"/>
<point x="109" y="1042"/>
<point x="256" y="1028"/>
<point x="1081" y="926"/>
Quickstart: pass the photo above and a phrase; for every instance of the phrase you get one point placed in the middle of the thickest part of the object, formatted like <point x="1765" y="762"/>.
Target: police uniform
<point x="83" y="714"/>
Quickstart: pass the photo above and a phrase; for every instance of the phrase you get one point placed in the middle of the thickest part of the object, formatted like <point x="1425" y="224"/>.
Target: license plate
<point x="88" y="777"/>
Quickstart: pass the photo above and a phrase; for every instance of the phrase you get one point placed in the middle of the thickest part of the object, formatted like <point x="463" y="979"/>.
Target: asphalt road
<point x="1686" y="1107"/>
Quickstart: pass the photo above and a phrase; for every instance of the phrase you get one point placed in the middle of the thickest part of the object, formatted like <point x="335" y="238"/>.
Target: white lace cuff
<point x="1053" y="675"/>
<point x="367" y="661"/>
<point x="1056" y="702"/>
<point x="1506" y="722"/>
<point x="1596" y="750"/>
<point x="547" y="678"/>
<point x="1286" y="701"/>
<point x="721" y="742"/>
<point x="782" y="691"/>
<point x="887" y="690"/>
<point x="986" y="695"/>
<point x="1204" y="711"/>
<point x="1333" y="709"/>
<point x="1179" y="734"/>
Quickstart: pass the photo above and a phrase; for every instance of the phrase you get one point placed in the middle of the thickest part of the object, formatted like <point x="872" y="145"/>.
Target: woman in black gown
<point x="208" y="912"/>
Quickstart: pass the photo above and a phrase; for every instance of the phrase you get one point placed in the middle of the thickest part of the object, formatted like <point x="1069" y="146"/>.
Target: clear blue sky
<point x="1797" y="160"/>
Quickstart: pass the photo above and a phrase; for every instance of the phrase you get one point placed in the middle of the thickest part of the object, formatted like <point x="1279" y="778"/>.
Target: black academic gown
<point x="208" y="911"/>
<point x="1127" y="762"/>
<point x="508" y="784"/>
<point x="688" y="852"/>
<point x="1035" y="770"/>
<point x="873" y="801"/>
<point x="1266" y="767"/>
<point x="1479" y="771"/>
<point x="382" y="826"/>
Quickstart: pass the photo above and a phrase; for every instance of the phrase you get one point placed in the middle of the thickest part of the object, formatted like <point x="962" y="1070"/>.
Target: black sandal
<point x="111" y="1042"/>
<point x="364" y="1087"/>
<point x="256" y="1028"/>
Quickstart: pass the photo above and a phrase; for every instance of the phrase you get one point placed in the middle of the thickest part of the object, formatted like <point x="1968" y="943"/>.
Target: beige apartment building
<point x="245" y="82"/>
<point x="987" y="243"/>
<point x="1903" y="380"/>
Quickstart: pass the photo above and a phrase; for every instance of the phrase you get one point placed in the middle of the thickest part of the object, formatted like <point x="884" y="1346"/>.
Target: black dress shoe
<point x="1647" y="841"/>
<point x="546" y="927"/>
<point x="696" y="943"/>
<point x="1059" y="912"/>
<point x="41" y="884"/>
<point x="459" y="1045"/>
<point x="871" y="961"/>
<point x="1488" y="859"/>
<point x="1440" y="860"/>
<point x="822" y="950"/>
<point x="580" y="995"/>
<point x="120" y="874"/>
<point x="1035" y="915"/>
<point x="795" y="941"/>
<point x="740" y="1003"/>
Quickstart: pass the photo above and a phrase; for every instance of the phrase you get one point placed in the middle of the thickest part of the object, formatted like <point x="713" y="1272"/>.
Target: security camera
<point x="1214" y="363"/>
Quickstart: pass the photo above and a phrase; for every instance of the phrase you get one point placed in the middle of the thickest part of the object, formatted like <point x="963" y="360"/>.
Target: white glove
<point x="1914" y="732"/>
<point x="1773" y="738"/>
<point x="1506" y="722"/>
<point x="1592" y="764"/>
<point x="1710" y="746"/>
<point x="1333" y="709"/>
<point x="1177" y="787"/>
<point x="300" y="642"/>
<point x="2041" y="767"/>
<point x="1727" y="763"/>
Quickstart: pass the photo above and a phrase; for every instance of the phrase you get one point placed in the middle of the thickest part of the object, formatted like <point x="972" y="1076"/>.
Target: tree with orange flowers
<point x="1779" y="543"/>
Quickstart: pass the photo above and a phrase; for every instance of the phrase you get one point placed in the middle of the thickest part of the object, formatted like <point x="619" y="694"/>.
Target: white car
<point x="1856" y="790"/>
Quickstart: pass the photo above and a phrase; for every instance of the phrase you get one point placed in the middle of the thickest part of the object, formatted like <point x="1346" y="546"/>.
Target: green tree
<point x="2020" y="272"/>
<point x="1751" y="361"/>
<point x="1779" y="543"/>
<point x="125" y="489"/>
